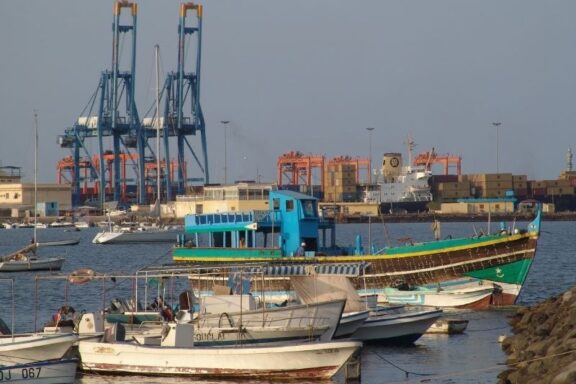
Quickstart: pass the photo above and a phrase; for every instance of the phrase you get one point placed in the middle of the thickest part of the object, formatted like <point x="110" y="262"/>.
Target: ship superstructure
<point x="400" y="186"/>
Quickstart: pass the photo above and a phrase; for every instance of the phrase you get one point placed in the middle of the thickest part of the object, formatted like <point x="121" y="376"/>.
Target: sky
<point x="311" y="76"/>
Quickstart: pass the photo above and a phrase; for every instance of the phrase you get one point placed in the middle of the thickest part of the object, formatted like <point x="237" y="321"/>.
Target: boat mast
<point x="157" y="121"/>
<point x="35" y="172"/>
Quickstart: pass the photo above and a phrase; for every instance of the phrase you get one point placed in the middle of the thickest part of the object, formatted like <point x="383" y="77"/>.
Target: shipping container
<point x="497" y="184"/>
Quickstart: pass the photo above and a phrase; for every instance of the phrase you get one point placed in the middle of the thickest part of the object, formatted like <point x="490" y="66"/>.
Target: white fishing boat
<point x="177" y="356"/>
<point x="403" y="326"/>
<point x="26" y="348"/>
<point x="41" y="372"/>
<point x="29" y="348"/>
<point x="235" y="319"/>
<point x="472" y="297"/>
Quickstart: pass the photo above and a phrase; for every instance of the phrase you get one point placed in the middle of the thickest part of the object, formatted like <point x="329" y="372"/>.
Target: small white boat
<point x="26" y="348"/>
<point x="41" y="372"/>
<point x="398" y="326"/>
<point x="177" y="356"/>
<point x="473" y="297"/>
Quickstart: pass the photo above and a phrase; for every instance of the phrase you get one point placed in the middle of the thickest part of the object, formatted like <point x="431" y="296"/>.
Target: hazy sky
<point x="311" y="76"/>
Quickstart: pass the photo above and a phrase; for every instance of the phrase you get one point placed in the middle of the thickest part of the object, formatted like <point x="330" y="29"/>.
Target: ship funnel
<point x="391" y="166"/>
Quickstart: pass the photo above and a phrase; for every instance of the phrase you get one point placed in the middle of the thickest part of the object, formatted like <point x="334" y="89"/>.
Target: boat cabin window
<point x="308" y="207"/>
<point x="289" y="205"/>
<point x="276" y="204"/>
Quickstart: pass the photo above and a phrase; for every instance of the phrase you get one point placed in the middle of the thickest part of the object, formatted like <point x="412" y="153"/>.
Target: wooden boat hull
<point x="24" y="349"/>
<point x="298" y="361"/>
<point x="41" y="372"/>
<point x="495" y="259"/>
<point x="405" y="327"/>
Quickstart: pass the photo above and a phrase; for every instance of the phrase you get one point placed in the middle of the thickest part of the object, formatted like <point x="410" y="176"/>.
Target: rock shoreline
<point x="543" y="347"/>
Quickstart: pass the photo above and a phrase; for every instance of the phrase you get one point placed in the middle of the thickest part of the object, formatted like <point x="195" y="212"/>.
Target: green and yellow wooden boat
<point x="274" y="236"/>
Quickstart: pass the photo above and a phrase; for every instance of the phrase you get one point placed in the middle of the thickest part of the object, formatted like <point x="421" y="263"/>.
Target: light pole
<point x="225" y="124"/>
<point x="370" y="129"/>
<point x="497" y="125"/>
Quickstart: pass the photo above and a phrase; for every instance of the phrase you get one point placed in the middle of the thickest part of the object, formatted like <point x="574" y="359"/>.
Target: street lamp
<point x="225" y="124"/>
<point x="497" y="125"/>
<point x="370" y="129"/>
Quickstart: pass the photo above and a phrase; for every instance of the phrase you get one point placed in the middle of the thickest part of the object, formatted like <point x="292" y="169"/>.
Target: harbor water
<point x="473" y="357"/>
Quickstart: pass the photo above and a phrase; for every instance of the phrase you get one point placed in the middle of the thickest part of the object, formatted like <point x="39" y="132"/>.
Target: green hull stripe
<point x="513" y="273"/>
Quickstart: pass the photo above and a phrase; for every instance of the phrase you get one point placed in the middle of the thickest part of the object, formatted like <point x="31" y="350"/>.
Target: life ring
<point x="81" y="276"/>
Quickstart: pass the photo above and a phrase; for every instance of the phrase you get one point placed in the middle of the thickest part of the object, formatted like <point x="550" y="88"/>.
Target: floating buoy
<point x="81" y="276"/>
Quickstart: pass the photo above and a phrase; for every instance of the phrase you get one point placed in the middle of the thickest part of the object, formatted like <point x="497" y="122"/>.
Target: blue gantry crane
<point x="111" y="112"/>
<point x="183" y="115"/>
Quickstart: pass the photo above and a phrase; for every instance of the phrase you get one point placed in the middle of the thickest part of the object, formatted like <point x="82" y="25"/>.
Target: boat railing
<point x="220" y="218"/>
<point x="267" y="217"/>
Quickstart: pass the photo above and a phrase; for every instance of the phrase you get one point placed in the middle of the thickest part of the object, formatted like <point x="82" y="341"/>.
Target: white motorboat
<point x="31" y="347"/>
<point x="403" y="326"/>
<point x="41" y="372"/>
<point x="26" y="348"/>
<point x="177" y="356"/>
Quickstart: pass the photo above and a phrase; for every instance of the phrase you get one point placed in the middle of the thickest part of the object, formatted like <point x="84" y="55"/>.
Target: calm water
<point x="474" y="357"/>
